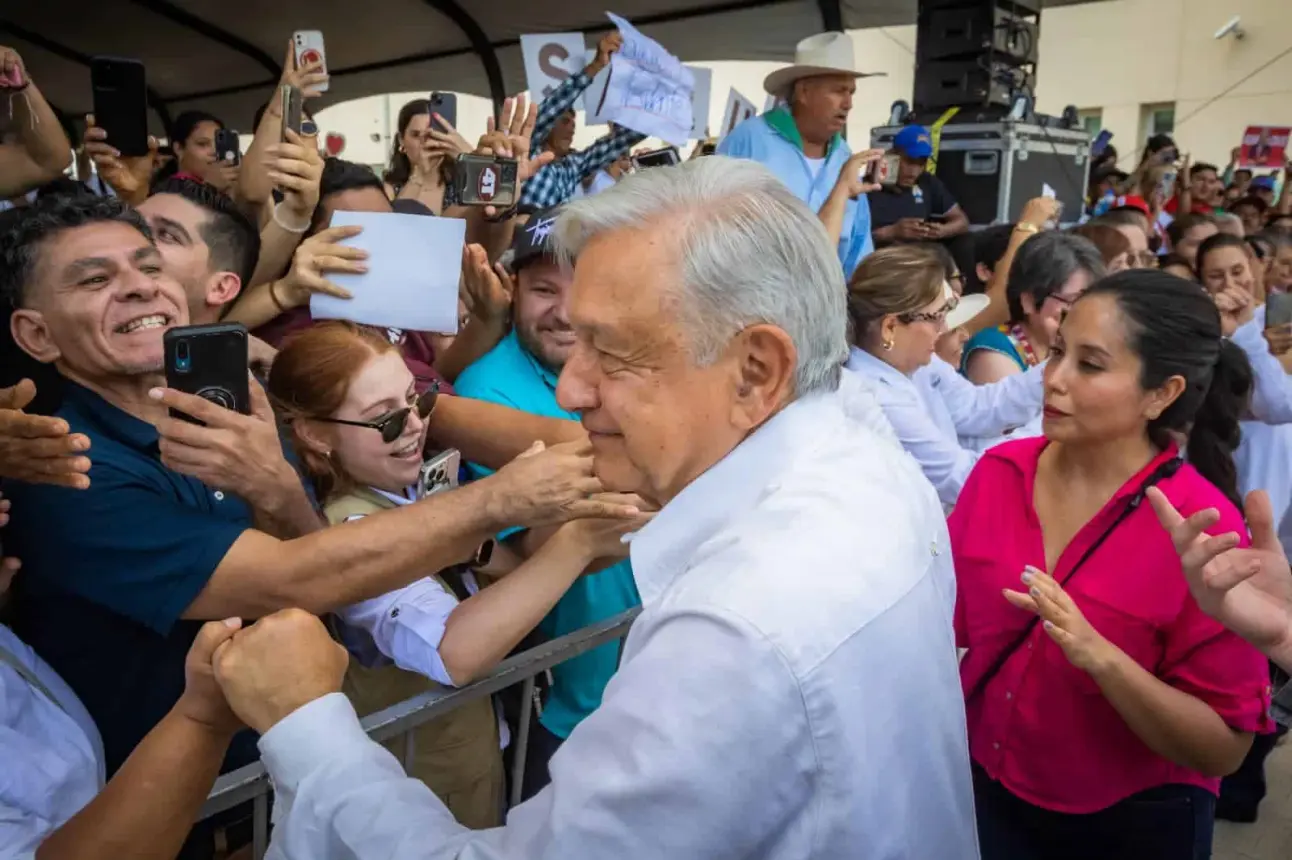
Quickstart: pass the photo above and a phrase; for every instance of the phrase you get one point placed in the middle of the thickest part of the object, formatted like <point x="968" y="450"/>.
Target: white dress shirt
<point x="932" y="409"/>
<point x="790" y="690"/>
<point x="51" y="757"/>
<point x="1272" y="391"/>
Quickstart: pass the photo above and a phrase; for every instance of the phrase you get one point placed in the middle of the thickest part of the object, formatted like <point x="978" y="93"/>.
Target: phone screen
<point x="659" y="158"/>
<point x="1278" y="310"/>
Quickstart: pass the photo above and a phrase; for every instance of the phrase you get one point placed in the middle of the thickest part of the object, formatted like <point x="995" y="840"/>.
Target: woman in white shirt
<point x="899" y="304"/>
<point x="360" y="428"/>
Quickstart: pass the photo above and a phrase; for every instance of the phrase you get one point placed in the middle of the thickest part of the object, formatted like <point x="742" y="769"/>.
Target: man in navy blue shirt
<point x="184" y="523"/>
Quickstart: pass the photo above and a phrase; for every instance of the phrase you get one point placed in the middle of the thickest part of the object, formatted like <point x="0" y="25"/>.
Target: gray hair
<point x="1044" y="263"/>
<point x="751" y="253"/>
<point x="1228" y="222"/>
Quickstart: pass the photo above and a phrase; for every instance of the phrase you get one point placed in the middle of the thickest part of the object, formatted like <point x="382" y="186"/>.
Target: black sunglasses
<point x="392" y="424"/>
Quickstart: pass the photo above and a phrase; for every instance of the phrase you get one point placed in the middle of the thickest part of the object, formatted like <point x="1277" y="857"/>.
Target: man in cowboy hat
<point x="801" y="139"/>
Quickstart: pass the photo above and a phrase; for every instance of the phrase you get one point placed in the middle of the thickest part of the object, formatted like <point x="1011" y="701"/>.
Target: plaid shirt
<point x="555" y="184"/>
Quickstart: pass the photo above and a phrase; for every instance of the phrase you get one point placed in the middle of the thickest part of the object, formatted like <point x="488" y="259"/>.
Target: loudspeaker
<point x="974" y="53"/>
<point x="966" y="32"/>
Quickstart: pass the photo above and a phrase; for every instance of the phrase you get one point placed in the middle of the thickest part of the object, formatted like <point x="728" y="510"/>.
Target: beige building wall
<point x="1118" y="61"/>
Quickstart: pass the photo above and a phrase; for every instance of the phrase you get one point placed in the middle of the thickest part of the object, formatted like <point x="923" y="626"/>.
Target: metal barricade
<point x="251" y="783"/>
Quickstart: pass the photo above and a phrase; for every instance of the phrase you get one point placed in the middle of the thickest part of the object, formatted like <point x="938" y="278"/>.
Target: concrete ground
<point x="1270" y="838"/>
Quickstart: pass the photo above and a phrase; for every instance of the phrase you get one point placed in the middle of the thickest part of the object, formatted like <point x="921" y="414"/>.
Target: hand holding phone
<point x="209" y="361"/>
<point x="121" y="103"/>
<point x="1278" y="310"/>
<point x="12" y="75"/>
<point x="666" y="157"/>
<point x="309" y="52"/>
<point x="228" y="148"/>
<point x="444" y="105"/>
<point x="484" y="180"/>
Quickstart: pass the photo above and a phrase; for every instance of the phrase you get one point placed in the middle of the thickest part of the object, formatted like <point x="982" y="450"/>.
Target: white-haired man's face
<point x="658" y="420"/>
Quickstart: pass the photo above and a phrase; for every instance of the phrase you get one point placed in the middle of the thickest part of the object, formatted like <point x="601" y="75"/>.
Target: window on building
<point x="1092" y="120"/>
<point x="1157" y="119"/>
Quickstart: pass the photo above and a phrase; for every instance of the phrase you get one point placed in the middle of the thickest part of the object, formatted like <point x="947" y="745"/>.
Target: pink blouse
<point x="1042" y="727"/>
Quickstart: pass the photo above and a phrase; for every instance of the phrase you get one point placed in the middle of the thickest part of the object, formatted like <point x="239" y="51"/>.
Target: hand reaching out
<point x="511" y="134"/>
<point x="317" y="255"/>
<point x="852" y="179"/>
<point x="296" y="169"/>
<point x="1084" y="647"/>
<point x="129" y="176"/>
<point x="487" y="291"/>
<point x="39" y="449"/>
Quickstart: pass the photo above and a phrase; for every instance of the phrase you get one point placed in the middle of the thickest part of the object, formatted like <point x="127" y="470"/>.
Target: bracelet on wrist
<point x="282" y="222"/>
<point x="273" y="297"/>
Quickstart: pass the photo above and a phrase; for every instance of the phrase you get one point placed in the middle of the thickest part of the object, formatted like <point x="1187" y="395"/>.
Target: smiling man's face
<point x="98" y="303"/>
<point x="542" y="324"/>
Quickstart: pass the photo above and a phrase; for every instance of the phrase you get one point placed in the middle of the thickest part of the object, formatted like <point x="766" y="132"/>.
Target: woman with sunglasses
<point x="900" y="305"/>
<point x="360" y="428"/>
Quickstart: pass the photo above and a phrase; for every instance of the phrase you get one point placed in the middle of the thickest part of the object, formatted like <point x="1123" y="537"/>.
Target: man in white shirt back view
<point x="791" y="688"/>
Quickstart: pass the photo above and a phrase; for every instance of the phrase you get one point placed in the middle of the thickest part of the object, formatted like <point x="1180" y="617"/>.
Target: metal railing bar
<point x="522" y="741"/>
<point x="248" y="782"/>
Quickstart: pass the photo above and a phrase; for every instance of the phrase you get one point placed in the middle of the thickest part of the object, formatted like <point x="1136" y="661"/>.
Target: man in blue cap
<point x="914" y="205"/>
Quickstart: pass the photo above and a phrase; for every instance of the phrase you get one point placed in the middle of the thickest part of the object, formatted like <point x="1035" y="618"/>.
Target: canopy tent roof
<point x="223" y="56"/>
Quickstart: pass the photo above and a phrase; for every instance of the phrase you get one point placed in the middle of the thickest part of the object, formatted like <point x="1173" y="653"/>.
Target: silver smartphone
<point x="439" y="473"/>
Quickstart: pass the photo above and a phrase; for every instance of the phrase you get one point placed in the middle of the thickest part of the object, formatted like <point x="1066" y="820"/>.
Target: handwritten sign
<point x="550" y="60"/>
<point x="648" y="89"/>
<point x="1264" y="146"/>
<point x="738" y="110"/>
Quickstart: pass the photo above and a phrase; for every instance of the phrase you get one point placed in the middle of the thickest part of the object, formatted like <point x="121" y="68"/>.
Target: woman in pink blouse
<point x="1103" y="705"/>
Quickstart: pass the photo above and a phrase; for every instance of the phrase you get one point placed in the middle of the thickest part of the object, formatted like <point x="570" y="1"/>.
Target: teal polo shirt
<point x="509" y="375"/>
<point x="108" y="572"/>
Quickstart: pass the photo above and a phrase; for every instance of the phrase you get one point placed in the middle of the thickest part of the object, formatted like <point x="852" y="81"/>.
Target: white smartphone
<point x="309" y="49"/>
<point x="439" y="473"/>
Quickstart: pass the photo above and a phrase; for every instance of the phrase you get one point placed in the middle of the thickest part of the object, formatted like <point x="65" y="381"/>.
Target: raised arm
<point x="41" y="151"/>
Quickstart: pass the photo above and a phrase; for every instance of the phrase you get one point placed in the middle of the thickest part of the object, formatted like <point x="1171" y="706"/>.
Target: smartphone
<point x="666" y="157"/>
<point x="309" y="49"/>
<point x="877" y="171"/>
<point x="1100" y="143"/>
<point x="483" y="180"/>
<point x="935" y="219"/>
<point x="1166" y="185"/>
<point x="439" y="473"/>
<point x="446" y="105"/>
<point x="1278" y="310"/>
<point x="228" y="149"/>
<point x="291" y="102"/>
<point x="121" y="103"/>
<point x="211" y="362"/>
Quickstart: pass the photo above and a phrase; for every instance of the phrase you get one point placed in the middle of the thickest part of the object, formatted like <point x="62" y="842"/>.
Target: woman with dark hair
<point x="192" y="143"/>
<point x="1174" y="264"/>
<point x="1103" y="705"/>
<point x="422" y="157"/>
<point x="1048" y="274"/>
<point x="1226" y="262"/>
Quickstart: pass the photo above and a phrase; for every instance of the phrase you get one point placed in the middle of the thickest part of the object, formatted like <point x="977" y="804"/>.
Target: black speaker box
<point x="965" y="32"/>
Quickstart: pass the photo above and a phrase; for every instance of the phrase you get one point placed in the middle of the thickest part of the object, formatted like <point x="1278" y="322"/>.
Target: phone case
<point x="446" y="105"/>
<point x="1278" y="310"/>
<point x="121" y="103"/>
<point x="211" y="362"/>
<point x="486" y="181"/>
<point x="439" y="473"/>
<point x="292" y="106"/>
<point x="309" y="49"/>
<point x="228" y="147"/>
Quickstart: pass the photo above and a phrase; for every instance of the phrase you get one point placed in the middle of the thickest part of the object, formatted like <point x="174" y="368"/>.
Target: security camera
<point x="1231" y="28"/>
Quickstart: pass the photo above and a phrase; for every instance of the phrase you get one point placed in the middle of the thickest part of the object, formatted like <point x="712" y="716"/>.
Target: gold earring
<point x="888" y="346"/>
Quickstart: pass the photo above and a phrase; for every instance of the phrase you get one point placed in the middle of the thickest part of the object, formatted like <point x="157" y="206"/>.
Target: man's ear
<point x="765" y="362"/>
<point x="222" y="288"/>
<point x="31" y="333"/>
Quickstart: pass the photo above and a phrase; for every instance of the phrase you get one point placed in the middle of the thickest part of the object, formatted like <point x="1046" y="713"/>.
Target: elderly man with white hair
<point x="801" y="139"/>
<point x="790" y="689"/>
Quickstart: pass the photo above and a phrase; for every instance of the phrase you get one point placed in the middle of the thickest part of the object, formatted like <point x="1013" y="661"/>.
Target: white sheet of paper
<point x="700" y="97"/>
<point x="594" y="96"/>
<point x="414" y="266"/>
<point x="738" y="110"/>
<point x="649" y="90"/>
<point x="1047" y="191"/>
<point x="550" y="59"/>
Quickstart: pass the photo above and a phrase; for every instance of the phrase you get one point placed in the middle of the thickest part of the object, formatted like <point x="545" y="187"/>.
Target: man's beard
<point x="532" y="341"/>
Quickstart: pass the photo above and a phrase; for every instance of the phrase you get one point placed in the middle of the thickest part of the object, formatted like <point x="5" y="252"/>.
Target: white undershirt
<point x="815" y="165"/>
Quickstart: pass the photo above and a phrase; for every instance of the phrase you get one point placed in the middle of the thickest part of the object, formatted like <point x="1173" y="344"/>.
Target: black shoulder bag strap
<point x="1161" y="473"/>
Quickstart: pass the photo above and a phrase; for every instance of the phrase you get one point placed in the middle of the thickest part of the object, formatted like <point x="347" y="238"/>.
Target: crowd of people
<point x="947" y="542"/>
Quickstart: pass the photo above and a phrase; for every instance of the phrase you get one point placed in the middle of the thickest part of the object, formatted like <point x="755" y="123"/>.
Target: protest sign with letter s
<point x="738" y="110"/>
<point x="550" y="60"/>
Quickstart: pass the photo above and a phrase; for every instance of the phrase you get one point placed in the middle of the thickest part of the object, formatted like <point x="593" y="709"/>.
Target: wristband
<point x="1025" y="227"/>
<point x="288" y="227"/>
<point x="273" y="297"/>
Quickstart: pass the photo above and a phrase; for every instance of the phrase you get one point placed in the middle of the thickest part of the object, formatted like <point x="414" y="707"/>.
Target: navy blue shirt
<point x="109" y="571"/>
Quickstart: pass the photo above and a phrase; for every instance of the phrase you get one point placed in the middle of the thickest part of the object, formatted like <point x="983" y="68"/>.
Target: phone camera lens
<point x="182" y="359"/>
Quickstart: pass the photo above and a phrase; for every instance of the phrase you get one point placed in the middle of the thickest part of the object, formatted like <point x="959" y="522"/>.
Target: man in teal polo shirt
<point x="521" y="372"/>
<point x="801" y="140"/>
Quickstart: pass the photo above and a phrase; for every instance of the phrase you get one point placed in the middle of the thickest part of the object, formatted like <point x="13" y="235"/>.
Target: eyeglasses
<point x="1143" y="260"/>
<point x="958" y="278"/>
<point x="1066" y="301"/>
<point x="392" y="424"/>
<point x="937" y="317"/>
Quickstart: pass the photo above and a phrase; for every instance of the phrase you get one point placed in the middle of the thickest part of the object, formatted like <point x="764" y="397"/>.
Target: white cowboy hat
<point x="966" y="309"/>
<point x="822" y="54"/>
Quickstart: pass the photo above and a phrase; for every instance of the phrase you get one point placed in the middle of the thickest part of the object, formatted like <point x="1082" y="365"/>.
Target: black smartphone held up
<point x="935" y="219"/>
<point x="121" y="103"/>
<point x="446" y="105"/>
<point x="291" y="103"/>
<point x="228" y="149"/>
<point x="483" y="180"/>
<point x="666" y="157"/>
<point x="1278" y="310"/>
<point x="211" y="362"/>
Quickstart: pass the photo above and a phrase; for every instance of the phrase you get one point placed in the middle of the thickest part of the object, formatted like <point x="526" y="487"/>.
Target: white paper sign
<point x="648" y="90"/>
<point x="700" y="98"/>
<point x="738" y="110"/>
<point x="551" y="59"/>
<point x="414" y="266"/>
<point x="594" y="96"/>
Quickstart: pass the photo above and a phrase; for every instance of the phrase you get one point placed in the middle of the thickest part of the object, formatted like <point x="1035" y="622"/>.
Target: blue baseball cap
<point x="1265" y="182"/>
<point x="915" y="141"/>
